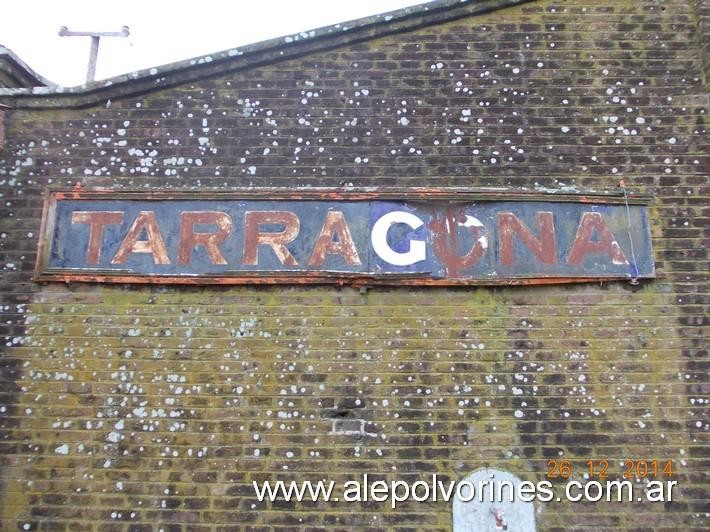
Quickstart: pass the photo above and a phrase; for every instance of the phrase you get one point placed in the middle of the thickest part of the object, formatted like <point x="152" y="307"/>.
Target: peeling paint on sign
<point x="415" y="237"/>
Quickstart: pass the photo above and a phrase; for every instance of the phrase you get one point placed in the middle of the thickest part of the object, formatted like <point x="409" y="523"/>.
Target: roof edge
<point x="16" y="69"/>
<point x="251" y="55"/>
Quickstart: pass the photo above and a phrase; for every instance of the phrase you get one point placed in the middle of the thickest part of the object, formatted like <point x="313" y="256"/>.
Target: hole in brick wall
<point x="347" y="418"/>
<point x="339" y="413"/>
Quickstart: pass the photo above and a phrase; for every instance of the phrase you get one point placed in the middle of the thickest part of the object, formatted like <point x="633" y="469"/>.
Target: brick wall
<point x="2" y="127"/>
<point x="141" y="407"/>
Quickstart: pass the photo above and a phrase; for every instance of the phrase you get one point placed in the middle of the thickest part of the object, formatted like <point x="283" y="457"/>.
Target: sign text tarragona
<point x="340" y="236"/>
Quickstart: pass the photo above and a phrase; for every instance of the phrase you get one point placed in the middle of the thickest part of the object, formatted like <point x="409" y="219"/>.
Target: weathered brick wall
<point x="126" y="408"/>
<point x="702" y="10"/>
<point x="2" y="127"/>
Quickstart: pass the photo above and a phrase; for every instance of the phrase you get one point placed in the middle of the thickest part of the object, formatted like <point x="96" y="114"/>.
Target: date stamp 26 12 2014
<point x="600" y="469"/>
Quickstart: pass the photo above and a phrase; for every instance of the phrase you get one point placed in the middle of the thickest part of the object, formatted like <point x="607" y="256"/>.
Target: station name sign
<point x="398" y="237"/>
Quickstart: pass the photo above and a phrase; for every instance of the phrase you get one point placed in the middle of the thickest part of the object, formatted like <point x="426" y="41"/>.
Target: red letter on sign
<point x="544" y="248"/>
<point x="444" y="229"/>
<point x="155" y="244"/>
<point x="189" y="239"/>
<point x="584" y="245"/>
<point x="334" y="225"/>
<point x="253" y="237"/>
<point x="96" y="220"/>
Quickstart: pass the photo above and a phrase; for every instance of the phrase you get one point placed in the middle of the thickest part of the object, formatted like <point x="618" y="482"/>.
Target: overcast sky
<point x="162" y="31"/>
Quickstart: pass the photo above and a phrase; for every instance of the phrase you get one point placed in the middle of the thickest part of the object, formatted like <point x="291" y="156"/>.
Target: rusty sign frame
<point x="445" y="196"/>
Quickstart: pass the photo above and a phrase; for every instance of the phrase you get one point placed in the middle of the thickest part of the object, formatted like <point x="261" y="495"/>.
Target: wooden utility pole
<point x="94" y="51"/>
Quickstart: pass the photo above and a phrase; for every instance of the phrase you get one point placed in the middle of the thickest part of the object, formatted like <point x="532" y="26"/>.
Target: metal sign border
<point x="43" y="273"/>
